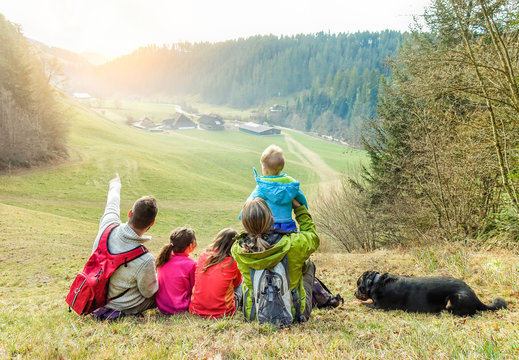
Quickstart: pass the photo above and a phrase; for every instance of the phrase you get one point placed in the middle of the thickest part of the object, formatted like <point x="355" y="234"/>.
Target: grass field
<point x="48" y="218"/>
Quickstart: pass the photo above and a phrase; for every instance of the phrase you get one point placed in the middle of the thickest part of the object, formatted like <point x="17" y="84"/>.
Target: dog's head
<point x="364" y="284"/>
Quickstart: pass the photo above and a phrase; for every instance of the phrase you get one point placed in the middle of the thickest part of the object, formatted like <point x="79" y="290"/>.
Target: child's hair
<point x="179" y="240"/>
<point x="273" y="160"/>
<point x="221" y="246"/>
<point x="256" y="218"/>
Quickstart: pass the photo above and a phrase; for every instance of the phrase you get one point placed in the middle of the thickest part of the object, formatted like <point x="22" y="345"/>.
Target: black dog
<point x="421" y="294"/>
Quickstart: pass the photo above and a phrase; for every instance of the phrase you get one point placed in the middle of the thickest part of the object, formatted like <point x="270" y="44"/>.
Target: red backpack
<point x="89" y="290"/>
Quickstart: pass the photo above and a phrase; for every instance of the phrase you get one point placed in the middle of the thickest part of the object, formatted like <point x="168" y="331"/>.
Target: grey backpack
<point x="272" y="299"/>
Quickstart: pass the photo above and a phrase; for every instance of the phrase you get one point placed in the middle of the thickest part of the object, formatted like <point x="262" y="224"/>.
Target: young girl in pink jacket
<point x="176" y="272"/>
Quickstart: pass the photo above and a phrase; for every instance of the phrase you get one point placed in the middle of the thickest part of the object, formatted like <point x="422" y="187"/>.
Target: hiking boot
<point x="103" y="314"/>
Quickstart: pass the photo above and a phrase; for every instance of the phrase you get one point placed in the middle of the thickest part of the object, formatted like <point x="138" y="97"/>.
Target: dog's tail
<point x="498" y="303"/>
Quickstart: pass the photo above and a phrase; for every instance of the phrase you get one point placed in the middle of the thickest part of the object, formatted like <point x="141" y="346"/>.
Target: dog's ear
<point x="368" y="280"/>
<point x="362" y="282"/>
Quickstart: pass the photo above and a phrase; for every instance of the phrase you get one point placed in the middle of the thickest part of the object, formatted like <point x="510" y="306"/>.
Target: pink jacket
<point x="176" y="279"/>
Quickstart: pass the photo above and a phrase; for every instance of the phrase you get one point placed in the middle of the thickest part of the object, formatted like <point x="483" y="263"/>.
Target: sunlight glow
<point x="116" y="27"/>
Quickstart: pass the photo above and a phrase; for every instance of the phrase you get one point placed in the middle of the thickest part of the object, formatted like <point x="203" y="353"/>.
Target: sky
<point x="117" y="27"/>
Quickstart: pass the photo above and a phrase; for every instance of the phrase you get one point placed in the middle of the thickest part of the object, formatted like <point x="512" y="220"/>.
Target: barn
<point x="257" y="129"/>
<point x="144" y="123"/>
<point x="178" y="121"/>
<point x="211" y="122"/>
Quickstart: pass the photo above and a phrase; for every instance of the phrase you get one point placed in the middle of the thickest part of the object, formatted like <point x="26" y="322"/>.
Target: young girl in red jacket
<point x="176" y="272"/>
<point x="217" y="279"/>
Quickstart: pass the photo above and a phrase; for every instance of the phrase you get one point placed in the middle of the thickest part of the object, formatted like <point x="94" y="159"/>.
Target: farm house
<point x="145" y="124"/>
<point x="178" y="121"/>
<point x="211" y="122"/>
<point x="257" y="129"/>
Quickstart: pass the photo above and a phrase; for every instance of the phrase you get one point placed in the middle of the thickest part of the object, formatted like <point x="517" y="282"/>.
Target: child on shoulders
<point x="176" y="272"/>
<point x="277" y="189"/>
<point x="217" y="290"/>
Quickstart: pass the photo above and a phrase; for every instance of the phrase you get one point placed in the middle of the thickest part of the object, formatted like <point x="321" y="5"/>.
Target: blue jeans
<point x="288" y="226"/>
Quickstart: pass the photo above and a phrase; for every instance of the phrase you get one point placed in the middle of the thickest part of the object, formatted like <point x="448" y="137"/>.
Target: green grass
<point x="49" y="216"/>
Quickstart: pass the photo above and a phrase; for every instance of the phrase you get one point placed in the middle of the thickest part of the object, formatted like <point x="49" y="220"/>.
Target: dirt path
<point x="329" y="177"/>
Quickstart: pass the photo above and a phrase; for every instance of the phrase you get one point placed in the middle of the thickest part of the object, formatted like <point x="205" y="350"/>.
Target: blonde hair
<point x="256" y="218"/>
<point x="273" y="160"/>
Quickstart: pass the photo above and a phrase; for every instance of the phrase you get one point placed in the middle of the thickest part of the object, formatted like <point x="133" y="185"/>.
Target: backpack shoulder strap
<point x="284" y="262"/>
<point x="103" y="241"/>
<point x="121" y="258"/>
<point x="134" y="253"/>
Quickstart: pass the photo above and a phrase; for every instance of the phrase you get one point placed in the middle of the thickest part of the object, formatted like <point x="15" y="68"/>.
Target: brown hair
<point x="273" y="160"/>
<point x="179" y="240"/>
<point x="256" y="218"/>
<point x="221" y="246"/>
<point x="144" y="211"/>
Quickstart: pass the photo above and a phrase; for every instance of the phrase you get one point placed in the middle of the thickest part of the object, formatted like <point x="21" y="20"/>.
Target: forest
<point x="32" y="127"/>
<point x="328" y="83"/>
<point x="444" y="150"/>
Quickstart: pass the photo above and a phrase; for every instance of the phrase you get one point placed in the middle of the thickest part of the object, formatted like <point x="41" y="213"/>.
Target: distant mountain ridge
<point x="67" y="55"/>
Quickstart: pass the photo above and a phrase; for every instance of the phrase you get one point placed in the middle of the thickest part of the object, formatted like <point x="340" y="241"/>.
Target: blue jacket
<point x="278" y="196"/>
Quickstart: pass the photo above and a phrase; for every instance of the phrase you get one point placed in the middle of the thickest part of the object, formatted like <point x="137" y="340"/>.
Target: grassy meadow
<point x="49" y="217"/>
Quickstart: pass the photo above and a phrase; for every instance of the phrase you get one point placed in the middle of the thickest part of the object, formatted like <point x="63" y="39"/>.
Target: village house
<point x="257" y="129"/>
<point x="211" y="122"/>
<point x="178" y="121"/>
<point x="145" y="123"/>
<point x="276" y="108"/>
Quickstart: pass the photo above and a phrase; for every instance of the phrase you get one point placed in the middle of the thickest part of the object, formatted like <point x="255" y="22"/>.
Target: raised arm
<point x="307" y="239"/>
<point x="113" y="204"/>
<point x="112" y="208"/>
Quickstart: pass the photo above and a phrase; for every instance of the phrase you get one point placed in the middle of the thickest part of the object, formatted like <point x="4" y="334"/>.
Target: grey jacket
<point x="139" y="275"/>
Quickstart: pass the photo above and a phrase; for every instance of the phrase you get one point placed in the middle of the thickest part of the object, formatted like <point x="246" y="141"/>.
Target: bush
<point x="341" y="214"/>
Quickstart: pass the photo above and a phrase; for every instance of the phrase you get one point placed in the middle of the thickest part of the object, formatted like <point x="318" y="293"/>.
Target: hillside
<point x="49" y="216"/>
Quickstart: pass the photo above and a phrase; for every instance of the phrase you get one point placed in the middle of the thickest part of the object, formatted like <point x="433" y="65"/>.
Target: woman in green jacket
<point x="261" y="247"/>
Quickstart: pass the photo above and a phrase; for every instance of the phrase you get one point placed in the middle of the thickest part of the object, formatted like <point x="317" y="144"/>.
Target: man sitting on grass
<point x="132" y="287"/>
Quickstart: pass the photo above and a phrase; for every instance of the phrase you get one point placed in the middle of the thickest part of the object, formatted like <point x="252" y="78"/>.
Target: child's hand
<point x="295" y="204"/>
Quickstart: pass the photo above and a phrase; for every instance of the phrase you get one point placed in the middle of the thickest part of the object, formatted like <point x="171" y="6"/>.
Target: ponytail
<point x="255" y="244"/>
<point x="164" y="256"/>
